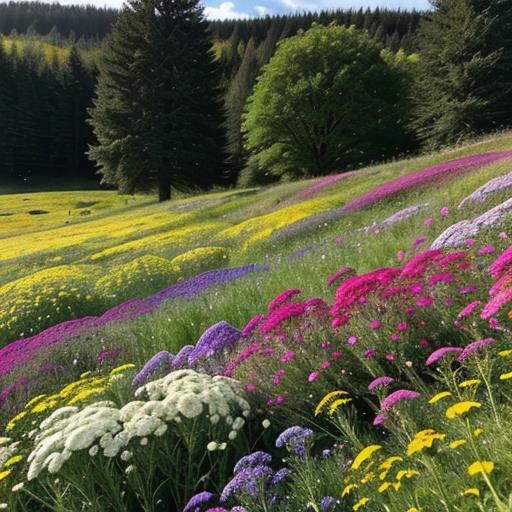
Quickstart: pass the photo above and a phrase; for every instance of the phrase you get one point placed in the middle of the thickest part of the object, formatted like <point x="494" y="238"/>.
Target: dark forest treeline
<point x="43" y="129"/>
<point x="43" y="105"/>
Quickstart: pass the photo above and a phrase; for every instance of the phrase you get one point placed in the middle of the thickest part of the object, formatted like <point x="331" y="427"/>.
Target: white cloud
<point x="299" y="5"/>
<point x="226" y="10"/>
<point x="304" y="5"/>
<point x="262" y="10"/>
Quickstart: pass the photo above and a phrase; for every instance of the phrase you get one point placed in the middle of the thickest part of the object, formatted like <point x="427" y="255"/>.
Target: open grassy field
<point x="131" y="273"/>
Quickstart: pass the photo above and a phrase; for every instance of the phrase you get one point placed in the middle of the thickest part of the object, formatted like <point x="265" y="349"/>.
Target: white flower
<point x="126" y="455"/>
<point x="129" y="469"/>
<point x="212" y="446"/>
<point x="18" y="487"/>
<point x="238" y="423"/>
<point x="93" y="450"/>
<point x="265" y="423"/>
<point x="189" y="406"/>
<point x="232" y="435"/>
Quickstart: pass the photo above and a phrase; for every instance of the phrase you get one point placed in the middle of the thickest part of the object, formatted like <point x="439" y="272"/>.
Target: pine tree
<point x="157" y="115"/>
<point x="464" y="73"/>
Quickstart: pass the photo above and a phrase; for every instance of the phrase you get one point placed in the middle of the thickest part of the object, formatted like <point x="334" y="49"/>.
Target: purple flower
<point x="473" y="347"/>
<point x="282" y="298"/>
<point x="295" y="438"/>
<point x="324" y="182"/>
<point x="398" y="396"/>
<point x="253" y="322"/>
<point x="469" y="309"/>
<point x="181" y="358"/>
<point x="252" y="460"/>
<point x="327" y="503"/>
<point x="423" y="177"/>
<point x="279" y="475"/>
<point x="196" y="503"/>
<point x="380" y="418"/>
<point x="352" y="340"/>
<point x="246" y="481"/>
<point x="439" y="353"/>
<point x="380" y="381"/>
<point x="160" y="362"/>
<point x="444" y="211"/>
<point x="216" y="338"/>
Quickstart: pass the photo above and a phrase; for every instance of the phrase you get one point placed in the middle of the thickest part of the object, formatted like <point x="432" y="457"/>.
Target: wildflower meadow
<point x="334" y="345"/>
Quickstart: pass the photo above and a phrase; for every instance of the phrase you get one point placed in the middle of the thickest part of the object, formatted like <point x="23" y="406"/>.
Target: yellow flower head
<point x="337" y="403"/>
<point x="457" y="443"/>
<point x="121" y="369"/>
<point x="461" y="408"/>
<point x="361" y="503"/>
<point x="365" y="454"/>
<point x="481" y="466"/>
<point x="328" y="398"/>
<point x="413" y="509"/>
<point x="439" y="396"/>
<point x="505" y="353"/>
<point x="34" y="400"/>
<point x="422" y="440"/>
<point x="348" y="489"/>
<point x="473" y="491"/>
<point x="477" y="432"/>
<point x="13" y="460"/>
<point x="389" y="462"/>
<point x="469" y="383"/>
<point x="15" y="420"/>
<point x="406" y="473"/>
<point x="387" y="485"/>
<point x="506" y="376"/>
<point x="5" y="474"/>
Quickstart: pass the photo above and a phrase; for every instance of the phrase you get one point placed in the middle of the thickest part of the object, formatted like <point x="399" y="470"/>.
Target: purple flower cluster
<point x="160" y="362"/>
<point x="252" y="460"/>
<point x="424" y="177"/>
<point x="247" y="481"/>
<point x="440" y="353"/>
<point x="21" y="351"/>
<point x="398" y="396"/>
<point x="215" y="339"/>
<point x="196" y="503"/>
<point x="295" y="438"/>
<point x="474" y="347"/>
<point x="380" y="381"/>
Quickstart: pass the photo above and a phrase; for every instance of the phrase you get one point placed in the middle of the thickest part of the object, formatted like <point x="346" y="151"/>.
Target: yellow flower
<point x="85" y="374"/>
<point x="5" y="474"/>
<point x="422" y="440"/>
<point x="439" y="396"/>
<point x="506" y="376"/>
<point x="337" y="403"/>
<point x="326" y="399"/>
<point x="49" y="403"/>
<point x="34" y="400"/>
<point x="413" y="509"/>
<point x="15" y="420"/>
<point x="348" y="489"/>
<point x="386" y="485"/>
<point x="473" y="491"/>
<point x="481" y="466"/>
<point x="121" y="369"/>
<point x="13" y="460"/>
<point x="86" y="393"/>
<point x="360" y="503"/>
<point x="406" y="473"/>
<point x="461" y="408"/>
<point x="468" y="383"/>
<point x="368" y="477"/>
<point x="389" y="462"/>
<point x="457" y="443"/>
<point x="505" y="353"/>
<point x="477" y="432"/>
<point x="365" y="454"/>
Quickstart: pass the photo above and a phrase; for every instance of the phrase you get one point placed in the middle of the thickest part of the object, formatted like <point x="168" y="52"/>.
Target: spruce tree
<point x="464" y="73"/>
<point x="157" y="116"/>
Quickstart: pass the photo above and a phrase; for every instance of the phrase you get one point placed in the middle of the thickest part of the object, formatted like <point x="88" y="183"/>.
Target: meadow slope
<point x="93" y="285"/>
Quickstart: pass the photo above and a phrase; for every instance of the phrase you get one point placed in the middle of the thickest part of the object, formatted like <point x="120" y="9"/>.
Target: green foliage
<point x="328" y="99"/>
<point x="157" y="116"/>
<point x="464" y="76"/>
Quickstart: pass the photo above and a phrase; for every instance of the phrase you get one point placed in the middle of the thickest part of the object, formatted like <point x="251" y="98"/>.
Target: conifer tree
<point x="157" y="115"/>
<point x="465" y="72"/>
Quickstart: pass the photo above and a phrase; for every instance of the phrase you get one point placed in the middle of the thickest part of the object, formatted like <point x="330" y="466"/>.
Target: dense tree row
<point x="43" y="130"/>
<point x="70" y="20"/>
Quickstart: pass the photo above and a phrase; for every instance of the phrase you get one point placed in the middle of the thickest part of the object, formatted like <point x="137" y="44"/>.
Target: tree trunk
<point x="164" y="189"/>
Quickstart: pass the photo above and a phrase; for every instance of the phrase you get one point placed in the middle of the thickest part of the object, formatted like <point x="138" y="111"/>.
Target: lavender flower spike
<point x="295" y="438"/>
<point x="380" y="381"/>
<point x="473" y="347"/>
<point x="159" y="362"/>
<point x="439" y="353"/>
<point x="252" y="460"/>
<point x="398" y="396"/>
<point x="196" y="502"/>
<point x="216" y="338"/>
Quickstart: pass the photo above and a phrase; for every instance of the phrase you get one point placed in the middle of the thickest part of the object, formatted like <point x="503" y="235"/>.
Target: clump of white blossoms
<point x="104" y="428"/>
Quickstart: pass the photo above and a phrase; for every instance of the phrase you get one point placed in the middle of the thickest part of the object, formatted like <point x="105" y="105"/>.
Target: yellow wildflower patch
<point x="422" y="440"/>
<point x="461" y="408"/>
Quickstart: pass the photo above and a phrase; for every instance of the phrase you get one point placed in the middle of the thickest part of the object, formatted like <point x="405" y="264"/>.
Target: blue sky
<point x="221" y="9"/>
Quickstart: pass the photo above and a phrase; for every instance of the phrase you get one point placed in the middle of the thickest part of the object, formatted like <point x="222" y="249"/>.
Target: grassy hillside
<point x="66" y="264"/>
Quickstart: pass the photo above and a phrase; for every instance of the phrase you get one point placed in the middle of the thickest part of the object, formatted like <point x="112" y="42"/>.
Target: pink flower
<point x="338" y="239"/>
<point x="444" y="211"/>
<point x="400" y="255"/>
<point x="402" y="326"/>
<point x="441" y="277"/>
<point x="336" y="355"/>
<point x="313" y="376"/>
<point x="468" y="289"/>
<point x="424" y="343"/>
<point x="282" y="298"/>
<point x="352" y="340"/>
<point x="375" y="324"/>
<point x="280" y="399"/>
<point x="380" y="381"/>
<point x="439" y="353"/>
<point x="398" y="396"/>
<point x="428" y="222"/>
<point x="488" y="249"/>
<point x="448" y="302"/>
<point x="503" y="235"/>
<point x="390" y="357"/>
<point x="424" y="302"/>
<point x="369" y="353"/>
<point x="280" y="373"/>
<point x="475" y="346"/>
<point x="325" y="365"/>
<point x="469" y="242"/>
<point x="469" y="309"/>
<point x="394" y="336"/>
<point x="420" y="240"/>
<point x="276" y="379"/>
<point x="250" y="387"/>
<point x="345" y="271"/>
<point x="325" y="344"/>
<point x="288" y="356"/>
<point x="494" y="324"/>
<point x="379" y="419"/>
